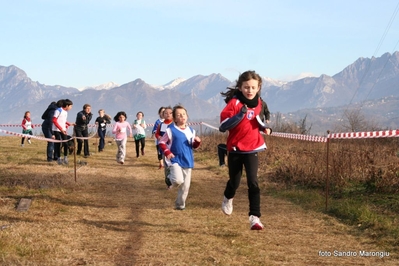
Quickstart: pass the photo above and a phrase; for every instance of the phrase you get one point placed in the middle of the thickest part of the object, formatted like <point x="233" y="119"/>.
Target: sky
<point x="79" y="43"/>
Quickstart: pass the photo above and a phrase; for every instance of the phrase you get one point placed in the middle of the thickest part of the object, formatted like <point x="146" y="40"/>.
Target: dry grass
<point x="123" y="215"/>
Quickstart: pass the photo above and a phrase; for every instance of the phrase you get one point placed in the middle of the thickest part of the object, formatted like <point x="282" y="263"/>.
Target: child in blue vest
<point x="177" y="145"/>
<point x="154" y="130"/>
<point x="167" y="120"/>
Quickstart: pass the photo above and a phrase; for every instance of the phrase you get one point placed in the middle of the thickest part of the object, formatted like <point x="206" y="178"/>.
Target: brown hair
<point x="178" y="106"/>
<point x="247" y="75"/>
<point x="86" y="105"/>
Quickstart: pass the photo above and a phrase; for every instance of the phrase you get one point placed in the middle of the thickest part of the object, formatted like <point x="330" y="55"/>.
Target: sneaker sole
<point x="226" y="212"/>
<point x="256" y="227"/>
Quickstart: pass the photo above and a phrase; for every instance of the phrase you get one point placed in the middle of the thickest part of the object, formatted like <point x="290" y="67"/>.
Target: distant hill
<point x="367" y="80"/>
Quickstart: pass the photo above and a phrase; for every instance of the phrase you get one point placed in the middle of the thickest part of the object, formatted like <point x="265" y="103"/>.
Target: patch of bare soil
<point x="124" y="215"/>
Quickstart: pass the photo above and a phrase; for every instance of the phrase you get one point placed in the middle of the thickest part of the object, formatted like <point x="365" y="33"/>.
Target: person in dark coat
<point x="47" y="129"/>
<point x="81" y="129"/>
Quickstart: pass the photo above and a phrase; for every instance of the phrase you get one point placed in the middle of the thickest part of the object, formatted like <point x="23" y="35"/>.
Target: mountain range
<point x="363" y="84"/>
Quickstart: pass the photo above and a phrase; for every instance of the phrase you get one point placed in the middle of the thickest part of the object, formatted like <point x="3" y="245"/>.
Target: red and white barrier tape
<point x="41" y="138"/>
<point x="19" y="125"/>
<point x="348" y="135"/>
<point x="300" y="137"/>
<point x="90" y="125"/>
<point x="365" y="135"/>
<point x="210" y="126"/>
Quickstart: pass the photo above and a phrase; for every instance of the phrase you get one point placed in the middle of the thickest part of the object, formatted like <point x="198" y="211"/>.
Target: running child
<point x="101" y="121"/>
<point x="241" y="118"/>
<point x="154" y="130"/>
<point x="168" y="119"/>
<point x="177" y="144"/>
<point x="27" y="127"/>
<point x="120" y="131"/>
<point x="139" y="127"/>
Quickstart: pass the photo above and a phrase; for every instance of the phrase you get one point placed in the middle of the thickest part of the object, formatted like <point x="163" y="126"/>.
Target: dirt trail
<point x="124" y="215"/>
<point x="156" y="234"/>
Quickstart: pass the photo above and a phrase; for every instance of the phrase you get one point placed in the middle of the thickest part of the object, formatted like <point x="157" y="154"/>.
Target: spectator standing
<point x="60" y="127"/>
<point x="47" y="129"/>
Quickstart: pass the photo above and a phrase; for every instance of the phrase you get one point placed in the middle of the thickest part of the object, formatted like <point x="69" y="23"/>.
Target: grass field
<point x="123" y="215"/>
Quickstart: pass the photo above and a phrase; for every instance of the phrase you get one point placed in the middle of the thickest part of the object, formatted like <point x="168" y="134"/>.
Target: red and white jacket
<point x="27" y="124"/>
<point x="244" y="128"/>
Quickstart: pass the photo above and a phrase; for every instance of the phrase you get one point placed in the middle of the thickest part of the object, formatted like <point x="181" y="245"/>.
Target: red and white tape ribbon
<point x="41" y="138"/>
<point x="365" y="135"/>
<point x="300" y="137"/>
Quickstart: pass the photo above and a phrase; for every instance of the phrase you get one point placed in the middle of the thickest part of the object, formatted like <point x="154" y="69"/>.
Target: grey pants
<point x="180" y="178"/>
<point x="121" y="154"/>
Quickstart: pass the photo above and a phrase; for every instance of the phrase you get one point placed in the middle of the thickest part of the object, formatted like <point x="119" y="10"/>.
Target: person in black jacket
<point x="102" y="120"/>
<point x="47" y="128"/>
<point x="81" y="129"/>
<point x="265" y="114"/>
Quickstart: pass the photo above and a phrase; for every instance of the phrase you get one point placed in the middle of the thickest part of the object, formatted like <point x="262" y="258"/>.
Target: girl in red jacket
<point x="241" y="118"/>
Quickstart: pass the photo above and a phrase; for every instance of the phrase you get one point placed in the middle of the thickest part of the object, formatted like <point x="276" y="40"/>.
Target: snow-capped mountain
<point x="170" y="85"/>
<point x="105" y="86"/>
<point x="366" y="79"/>
<point x="267" y="82"/>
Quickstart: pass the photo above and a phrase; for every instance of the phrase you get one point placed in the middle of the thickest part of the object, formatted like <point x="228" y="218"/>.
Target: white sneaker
<point x="66" y="160"/>
<point x="29" y="141"/>
<point x="227" y="206"/>
<point x="59" y="161"/>
<point x="255" y="223"/>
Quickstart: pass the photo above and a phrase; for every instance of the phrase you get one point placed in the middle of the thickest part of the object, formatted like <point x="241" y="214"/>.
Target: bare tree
<point x="303" y="127"/>
<point x="280" y="125"/>
<point x="355" y="121"/>
<point x="277" y="122"/>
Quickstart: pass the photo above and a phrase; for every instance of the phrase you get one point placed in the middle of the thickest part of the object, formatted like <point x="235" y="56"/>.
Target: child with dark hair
<point x="168" y="119"/>
<point x="47" y="129"/>
<point x="60" y="126"/>
<point x="177" y="144"/>
<point x="120" y="131"/>
<point x="27" y="127"/>
<point x="81" y="129"/>
<point x="139" y="127"/>
<point x="101" y="121"/>
<point x="154" y="130"/>
<point x="241" y="118"/>
<point x="222" y="153"/>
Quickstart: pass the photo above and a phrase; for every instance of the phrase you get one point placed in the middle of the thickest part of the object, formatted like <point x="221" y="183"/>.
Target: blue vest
<point x="181" y="147"/>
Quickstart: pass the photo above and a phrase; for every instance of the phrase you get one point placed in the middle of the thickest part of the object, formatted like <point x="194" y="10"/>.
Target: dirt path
<point x="154" y="233"/>
<point x="123" y="215"/>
